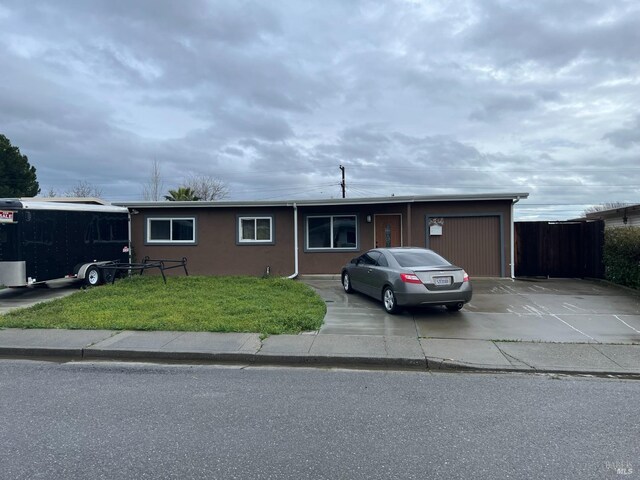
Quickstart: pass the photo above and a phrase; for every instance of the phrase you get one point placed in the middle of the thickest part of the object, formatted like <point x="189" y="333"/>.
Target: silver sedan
<point x="403" y="277"/>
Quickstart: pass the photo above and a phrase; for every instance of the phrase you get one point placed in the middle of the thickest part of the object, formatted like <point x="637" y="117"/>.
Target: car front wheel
<point x="346" y="283"/>
<point x="389" y="301"/>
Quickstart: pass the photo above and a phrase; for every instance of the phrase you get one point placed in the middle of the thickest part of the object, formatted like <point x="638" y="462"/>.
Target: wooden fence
<point x="559" y="249"/>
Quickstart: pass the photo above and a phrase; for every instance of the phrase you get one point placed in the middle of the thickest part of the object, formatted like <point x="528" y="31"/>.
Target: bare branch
<point x="207" y="187"/>
<point x="84" y="189"/>
<point x="152" y="190"/>
<point x="50" y="193"/>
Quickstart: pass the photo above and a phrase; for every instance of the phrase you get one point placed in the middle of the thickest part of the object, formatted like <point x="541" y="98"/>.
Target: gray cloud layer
<point x="412" y="97"/>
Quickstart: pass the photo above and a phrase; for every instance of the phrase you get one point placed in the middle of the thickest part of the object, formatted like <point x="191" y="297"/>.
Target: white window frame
<point x="331" y="248"/>
<point x="255" y="229"/>
<point x="170" y="220"/>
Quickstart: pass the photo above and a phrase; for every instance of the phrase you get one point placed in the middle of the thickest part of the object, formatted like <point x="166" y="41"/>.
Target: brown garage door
<point x="472" y="243"/>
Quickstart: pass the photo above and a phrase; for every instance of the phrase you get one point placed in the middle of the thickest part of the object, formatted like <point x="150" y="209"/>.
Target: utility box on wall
<point x="435" y="226"/>
<point x="435" y="230"/>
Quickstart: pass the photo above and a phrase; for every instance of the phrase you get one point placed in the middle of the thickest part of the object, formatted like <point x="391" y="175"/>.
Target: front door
<point x="388" y="231"/>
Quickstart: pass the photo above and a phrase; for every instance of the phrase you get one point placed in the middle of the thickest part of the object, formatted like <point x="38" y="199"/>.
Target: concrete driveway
<point x="12" y="298"/>
<point x="555" y="310"/>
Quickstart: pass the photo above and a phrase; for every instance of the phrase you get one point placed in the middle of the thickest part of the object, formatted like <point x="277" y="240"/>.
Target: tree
<point x="182" y="194"/>
<point x="17" y="177"/>
<point x="152" y="190"/>
<point x="207" y="187"/>
<point x="84" y="189"/>
<point x="51" y="193"/>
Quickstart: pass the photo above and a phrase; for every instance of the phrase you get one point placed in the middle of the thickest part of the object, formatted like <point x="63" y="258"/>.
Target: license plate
<point x="441" y="281"/>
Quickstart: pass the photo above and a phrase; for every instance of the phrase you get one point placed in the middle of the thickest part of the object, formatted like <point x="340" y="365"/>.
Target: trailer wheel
<point x="92" y="276"/>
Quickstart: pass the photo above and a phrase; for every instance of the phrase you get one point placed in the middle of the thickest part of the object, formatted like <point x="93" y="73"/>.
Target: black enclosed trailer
<point x="41" y="241"/>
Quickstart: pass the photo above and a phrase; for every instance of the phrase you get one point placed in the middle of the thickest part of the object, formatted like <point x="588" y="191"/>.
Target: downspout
<point x="409" y="241"/>
<point x="295" y="242"/>
<point x="513" y="241"/>
<point x="129" y="242"/>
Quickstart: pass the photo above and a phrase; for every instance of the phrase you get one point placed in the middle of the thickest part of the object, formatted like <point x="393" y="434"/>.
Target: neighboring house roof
<point x="615" y="212"/>
<point x="328" y="202"/>
<point x="628" y="216"/>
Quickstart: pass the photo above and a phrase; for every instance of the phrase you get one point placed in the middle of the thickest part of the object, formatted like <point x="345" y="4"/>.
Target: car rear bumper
<point x="422" y="296"/>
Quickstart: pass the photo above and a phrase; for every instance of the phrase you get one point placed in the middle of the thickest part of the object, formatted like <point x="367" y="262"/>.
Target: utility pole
<point x="343" y="184"/>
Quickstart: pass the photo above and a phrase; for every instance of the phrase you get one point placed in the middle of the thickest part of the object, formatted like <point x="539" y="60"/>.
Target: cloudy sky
<point x="412" y="97"/>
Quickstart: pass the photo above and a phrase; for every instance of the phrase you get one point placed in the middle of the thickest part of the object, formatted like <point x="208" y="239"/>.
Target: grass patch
<point x="197" y="304"/>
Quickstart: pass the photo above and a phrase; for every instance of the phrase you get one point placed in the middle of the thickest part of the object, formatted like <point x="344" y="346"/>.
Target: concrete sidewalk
<point x="355" y="351"/>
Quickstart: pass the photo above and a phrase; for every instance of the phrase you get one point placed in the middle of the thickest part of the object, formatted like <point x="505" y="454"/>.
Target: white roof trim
<point x="328" y="202"/>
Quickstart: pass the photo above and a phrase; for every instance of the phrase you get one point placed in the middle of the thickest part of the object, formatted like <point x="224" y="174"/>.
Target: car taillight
<point x="410" y="278"/>
<point x="465" y="278"/>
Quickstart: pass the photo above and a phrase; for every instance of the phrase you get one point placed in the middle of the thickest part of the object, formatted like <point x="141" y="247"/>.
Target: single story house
<point x="628" y="216"/>
<point x="287" y="238"/>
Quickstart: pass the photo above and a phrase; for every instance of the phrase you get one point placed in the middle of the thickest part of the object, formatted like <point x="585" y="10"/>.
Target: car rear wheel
<point x="455" y="307"/>
<point x="389" y="301"/>
<point x="346" y="283"/>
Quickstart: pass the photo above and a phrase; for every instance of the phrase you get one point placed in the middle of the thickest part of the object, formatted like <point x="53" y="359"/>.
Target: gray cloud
<point x="625" y="137"/>
<point x="271" y="97"/>
<point x="496" y="107"/>
<point x="556" y="34"/>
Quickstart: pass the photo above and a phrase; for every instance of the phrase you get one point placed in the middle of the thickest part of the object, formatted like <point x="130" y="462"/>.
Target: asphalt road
<point x="114" y="420"/>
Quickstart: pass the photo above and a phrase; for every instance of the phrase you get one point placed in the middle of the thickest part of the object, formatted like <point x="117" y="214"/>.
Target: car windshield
<point x="418" y="258"/>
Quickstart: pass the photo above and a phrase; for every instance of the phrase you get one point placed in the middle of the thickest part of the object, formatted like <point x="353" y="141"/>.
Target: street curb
<point x="234" y="357"/>
<point x="453" y="366"/>
<point x="257" y="359"/>
<point x="63" y="352"/>
<point x="211" y="357"/>
<point x="341" y="361"/>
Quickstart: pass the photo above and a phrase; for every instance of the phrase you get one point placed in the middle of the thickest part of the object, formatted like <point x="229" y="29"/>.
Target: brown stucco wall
<point x="420" y="211"/>
<point x="217" y="253"/>
<point x="331" y="262"/>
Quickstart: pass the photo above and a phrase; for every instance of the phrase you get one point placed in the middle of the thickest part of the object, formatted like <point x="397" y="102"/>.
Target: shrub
<point x="622" y="256"/>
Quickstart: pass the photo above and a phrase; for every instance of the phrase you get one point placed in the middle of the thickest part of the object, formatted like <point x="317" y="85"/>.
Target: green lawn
<point x="198" y="304"/>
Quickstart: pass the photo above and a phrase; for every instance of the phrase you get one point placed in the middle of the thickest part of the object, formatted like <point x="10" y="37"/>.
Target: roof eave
<point x="613" y="212"/>
<point x="514" y="197"/>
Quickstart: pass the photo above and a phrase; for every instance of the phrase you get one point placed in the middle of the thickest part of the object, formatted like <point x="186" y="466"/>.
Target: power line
<point x="523" y="184"/>
<point x="489" y="168"/>
<point x="300" y="191"/>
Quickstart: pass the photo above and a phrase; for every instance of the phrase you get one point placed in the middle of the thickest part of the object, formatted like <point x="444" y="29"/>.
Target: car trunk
<point x="440" y="278"/>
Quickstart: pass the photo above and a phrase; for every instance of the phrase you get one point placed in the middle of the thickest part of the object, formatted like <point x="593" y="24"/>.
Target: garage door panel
<point x="472" y="243"/>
